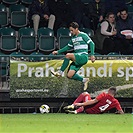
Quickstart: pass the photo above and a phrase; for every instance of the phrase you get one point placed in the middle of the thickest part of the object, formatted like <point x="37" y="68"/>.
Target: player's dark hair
<point x="113" y="90"/>
<point x="74" y="25"/>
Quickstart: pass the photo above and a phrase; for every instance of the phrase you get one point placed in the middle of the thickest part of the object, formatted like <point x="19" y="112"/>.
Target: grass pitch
<point x="66" y="123"/>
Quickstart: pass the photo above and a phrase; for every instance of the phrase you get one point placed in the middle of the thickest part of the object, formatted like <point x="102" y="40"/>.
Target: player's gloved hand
<point x="92" y="58"/>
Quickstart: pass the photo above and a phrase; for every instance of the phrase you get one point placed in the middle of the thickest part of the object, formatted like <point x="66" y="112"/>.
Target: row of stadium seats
<point x="30" y="1"/>
<point x="26" y="39"/>
<point x="17" y="15"/>
<point x="67" y="1"/>
<point x="27" y="42"/>
<point x="17" y="1"/>
<point x="10" y="2"/>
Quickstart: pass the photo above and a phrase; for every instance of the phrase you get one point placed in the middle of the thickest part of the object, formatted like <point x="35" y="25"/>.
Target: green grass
<point x="66" y="123"/>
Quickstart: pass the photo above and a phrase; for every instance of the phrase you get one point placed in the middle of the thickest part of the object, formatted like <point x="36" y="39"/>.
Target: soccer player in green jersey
<point x="79" y="42"/>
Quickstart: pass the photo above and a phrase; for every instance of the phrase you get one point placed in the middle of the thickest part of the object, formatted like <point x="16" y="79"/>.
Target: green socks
<point x="77" y="77"/>
<point x="65" y="64"/>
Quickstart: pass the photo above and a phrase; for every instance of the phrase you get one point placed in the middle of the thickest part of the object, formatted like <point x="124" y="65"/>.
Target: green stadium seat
<point x="113" y="53"/>
<point x="130" y="8"/>
<point x="46" y="39"/>
<point x="36" y="56"/>
<point x="27" y="39"/>
<point x="10" y="1"/>
<point x="17" y="56"/>
<point x="63" y="36"/>
<point x="8" y="39"/>
<point x="18" y="15"/>
<point x="90" y="32"/>
<point x="3" y="15"/>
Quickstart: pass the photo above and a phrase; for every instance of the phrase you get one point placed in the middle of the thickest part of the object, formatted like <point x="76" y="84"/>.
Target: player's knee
<point x="68" y="55"/>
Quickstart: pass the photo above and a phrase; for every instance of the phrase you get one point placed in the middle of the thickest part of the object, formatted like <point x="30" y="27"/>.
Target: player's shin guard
<point x="77" y="77"/>
<point x="65" y="64"/>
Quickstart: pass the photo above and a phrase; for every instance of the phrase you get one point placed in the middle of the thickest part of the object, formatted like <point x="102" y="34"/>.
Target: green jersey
<point x="80" y="44"/>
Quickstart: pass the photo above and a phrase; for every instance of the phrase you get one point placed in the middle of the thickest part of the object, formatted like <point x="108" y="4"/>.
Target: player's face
<point x="73" y="31"/>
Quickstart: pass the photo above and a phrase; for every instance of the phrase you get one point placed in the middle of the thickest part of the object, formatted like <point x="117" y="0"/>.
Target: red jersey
<point x="105" y="103"/>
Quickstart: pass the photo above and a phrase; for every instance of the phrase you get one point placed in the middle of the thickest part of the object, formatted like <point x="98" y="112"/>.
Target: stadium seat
<point x="63" y="36"/>
<point x="27" y="2"/>
<point x="90" y="32"/>
<point x="18" y="15"/>
<point x="10" y="1"/>
<point x="130" y="8"/>
<point x="36" y="56"/>
<point x="8" y="39"/>
<point x="27" y="39"/>
<point x="3" y="15"/>
<point x="46" y="39"/>
<point x="17" y="56"/>
<point x="113" y="53"/>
